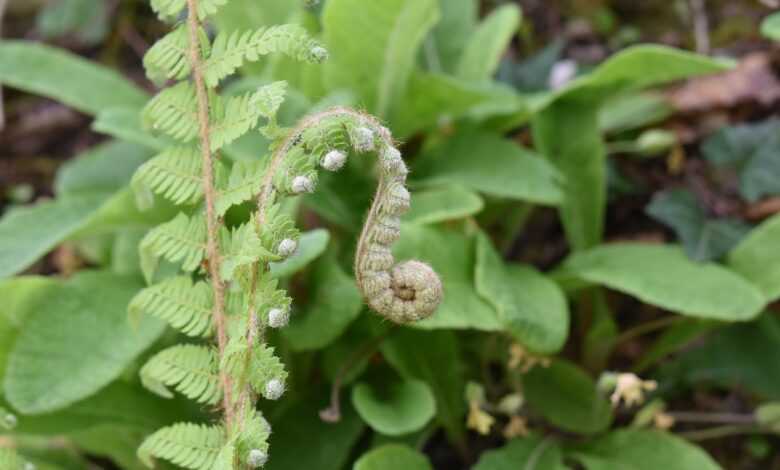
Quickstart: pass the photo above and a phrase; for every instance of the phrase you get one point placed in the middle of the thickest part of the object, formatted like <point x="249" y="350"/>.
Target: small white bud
<point x="9" y="421"/>
<point x="256" y="458"/>
<point x="302" y="184"/>
<point x="334" y="160"/>
<point x="278" y="318"/>
<point x="319" y="54"/>
<point x="28" y="466"/>
<point x="286" y="247"/>
<point x="274" y="389"/>
<point x="363" y="139"/>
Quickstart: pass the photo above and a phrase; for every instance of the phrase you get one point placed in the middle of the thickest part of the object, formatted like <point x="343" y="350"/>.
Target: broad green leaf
<point x="770" y="27"/>
<point x="567" y="397"/>
<point x="125" y="124"/>
<point x="65" y="77"/>
<point x="310" y="246"/>
<point x="492" y="165"/>
<point x="119" y="211"/>
<point x="757" y="258"/>
<point x="643" y="450"/>
<point x="116" y="443"/>
<point x="462" y="306"/>
<point x="662" y="275"/>
<point x="241" y="15"/>
<point x="300" y="439"/>
<point x="444" y="45"/>
<point x="704" y="239"/>
<point x="373" y="47"/>
<point x="484" y="50"/>
<point x="393" y="457"/>
<point x="674" y="338"/>
<point x="84" y="19"/>
<point x="441" y="204"/>
<point x="104" y="168"/>
<point x="335" y="303"/>
<point x="28" y="233"/>
<point x="633" y="111"/>
<point x="567" y="131"/>
<point x="532" y="308"/>
<point x="420" y="355"/>
<point x="75" y="342"/>
<point x="395" y="408"/>
<point x="529" y="453"/>
<point x="738" y="354"/>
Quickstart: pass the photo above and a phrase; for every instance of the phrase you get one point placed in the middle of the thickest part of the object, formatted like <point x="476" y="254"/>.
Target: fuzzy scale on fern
<point x="224" y="289"/>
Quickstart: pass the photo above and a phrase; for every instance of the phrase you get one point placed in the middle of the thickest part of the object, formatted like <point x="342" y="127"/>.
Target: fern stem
<point x="212" y="223"/>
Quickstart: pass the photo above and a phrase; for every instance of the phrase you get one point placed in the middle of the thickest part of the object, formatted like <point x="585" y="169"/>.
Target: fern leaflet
<point x="182" y="240"/>
<point x="241" y="247"/>
<point x="184" y="305"/>
<point x="189" y="445"/>
<point x="192" y="370"/>
<point x="174" y="174"/>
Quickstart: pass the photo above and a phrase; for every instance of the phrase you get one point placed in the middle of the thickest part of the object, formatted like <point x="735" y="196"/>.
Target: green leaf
<point x="379" y="68"/>
<point x="452" y="32"/>
<point x="770" y="27"/>
<point x="662" y="275"/>
<point x="442" y="204"/>
<point x="84" y="19"/>
<point x="566" y="396"/>
<point x="310" y="246"/>
<point x="529" y="453"/>
<point x="336" y="302"/>
<point x="103" y="168"/>
<point x="125" y="124"/>
<point x="532" y="308"/>
<point x="28" y="233"/>
<point x="393" y="457"/>
<point x="65" y="77"/>
<point x="395" y="408"/>
<point x="504" y="168"/>
<point x="758" y="260"/>
<point x="484" y="50"/>
<point x="643" y="450"/>
<point x="704" y="239"/>
<point x="462" y="306"/>
<point x="420" y="355"/>
<point x="75" y="342"/>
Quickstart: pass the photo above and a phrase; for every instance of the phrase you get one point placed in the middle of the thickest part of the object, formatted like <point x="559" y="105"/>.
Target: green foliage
<point x="480" y="58"/>
<point x="393" y="456"/>
<point x="192" y="370"/>
<point x="532" y="451"/>
<point x="770" y="27"/>
<point x="394" y="408"/>
<point x="189" y="445"/>
<point x="755" y="259"/>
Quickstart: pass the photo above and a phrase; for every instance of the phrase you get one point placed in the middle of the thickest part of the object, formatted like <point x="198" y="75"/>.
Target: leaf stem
<point x="212" y="223"/>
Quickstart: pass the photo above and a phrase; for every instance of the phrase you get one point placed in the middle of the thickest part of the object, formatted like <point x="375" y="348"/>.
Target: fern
<point x="174" y="111"/>
<point x="173" y="174"/>
<point x="242" y="185"/>
<point x="189" y="445"/>
<point x="184" y="305"/>
<point x="10" y="460"/>
<point x="241" y="247"/>
<point x="192" y="370"/>
<point x="167" y="59"/>
<point x="182" y="240"/>
<point x="231" y="50"/>
<point x="169" y="9"/>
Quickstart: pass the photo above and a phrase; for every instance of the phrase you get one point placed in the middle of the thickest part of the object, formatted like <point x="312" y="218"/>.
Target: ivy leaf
<point x="393" y="457"/>
<point x="704" y="239"/>
<point x="668" y="279"/>
<point x="529" y="453"/>
<point x="396" y="408"/>
<point x="378" y="69"/>
<point x="565" y="395"/>
<point x="758" y="259"/>
<point x="441" y="204"/>
<point x="483" y="52"/>
<point x="507" y="170"/>
<point x="77" y="340"/>
<point x="532" y="308"/>
<point x="65" y="77"/>
<point x="643" y="450"/>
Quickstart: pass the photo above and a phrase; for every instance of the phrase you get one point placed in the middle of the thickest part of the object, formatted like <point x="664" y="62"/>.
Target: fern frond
<point x="174" y="111"/>
<point x="184" y="305"/>
<point x="240" y="114"/>
<point x="252" y="442"/>
<point x="241" y="247"/>
<point x="231" y="50"/>
<point x="278" y="226"/>
<point x="226" y="457"/>
<point x="167" y="58"/>
<point x="243" y="184"/>
<point x="265" y="369"/>
<point x="192" y="370"/>
<point x="171" y="9"/>
<point x="188" y="445"/>
<point x="174" y="174"/>
<point x="182" y="240"/>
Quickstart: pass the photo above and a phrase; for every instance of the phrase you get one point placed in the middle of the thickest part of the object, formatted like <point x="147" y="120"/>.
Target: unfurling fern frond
<point x="174" y="111"/>
<point x="185" y="305"/>
<point x="189" y="445"/>
<point x="241" y="247"/>
<point x="231" y="50"/>
<point x="171" y="9"/>
<point x="192" y="370"/>
<point x="174" y="174"/>
<point x="267" y="374"/>
<point x="182" y="240"/>
<point x="242" y="185"/>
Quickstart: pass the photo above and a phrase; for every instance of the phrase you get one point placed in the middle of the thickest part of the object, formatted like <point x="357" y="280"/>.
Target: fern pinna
<point x="224" y="288"/>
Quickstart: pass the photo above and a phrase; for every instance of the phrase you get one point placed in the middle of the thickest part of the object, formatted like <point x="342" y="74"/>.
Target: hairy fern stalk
<point x="224" y="295"/>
